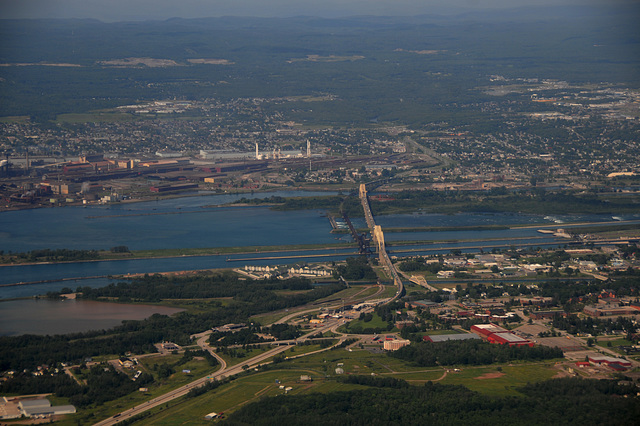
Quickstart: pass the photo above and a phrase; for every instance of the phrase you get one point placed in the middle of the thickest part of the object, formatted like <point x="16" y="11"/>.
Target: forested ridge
<point x="368" y="82"/>
<point x="554" y="402"/>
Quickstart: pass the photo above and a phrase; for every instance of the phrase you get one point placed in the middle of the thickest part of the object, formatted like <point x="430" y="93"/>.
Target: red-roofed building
<point x="498" y="335"/>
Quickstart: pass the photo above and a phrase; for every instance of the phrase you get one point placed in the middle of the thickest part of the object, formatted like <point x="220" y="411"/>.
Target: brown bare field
<point x="490" y="376"/>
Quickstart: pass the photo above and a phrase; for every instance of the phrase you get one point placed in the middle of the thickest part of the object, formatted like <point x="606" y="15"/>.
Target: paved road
<point x="183" y="390"/>
<point x="223" y="372"/>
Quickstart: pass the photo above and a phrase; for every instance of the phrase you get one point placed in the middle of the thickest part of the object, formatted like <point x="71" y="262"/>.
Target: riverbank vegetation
<point x="242" y="299"/>
<point x="66" y="255"/>
<point x="49" y="255"/>
<point x="499" y="200"/>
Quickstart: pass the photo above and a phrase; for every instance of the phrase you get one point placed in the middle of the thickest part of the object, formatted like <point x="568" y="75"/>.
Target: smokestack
<point x="308" y="149"/>
<point x="257" y="153"/>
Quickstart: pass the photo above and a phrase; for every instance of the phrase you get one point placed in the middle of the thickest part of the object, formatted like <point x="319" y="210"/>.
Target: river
<point x="199" y="221"/>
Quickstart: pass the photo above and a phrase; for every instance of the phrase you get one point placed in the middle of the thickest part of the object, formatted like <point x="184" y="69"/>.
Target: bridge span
<point x="378" y="238"/>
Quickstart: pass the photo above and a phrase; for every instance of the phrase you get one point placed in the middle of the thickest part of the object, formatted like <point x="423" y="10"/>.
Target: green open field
<point x="488" y="380"/>
<point x="354" y="291"/>
<point x="234" y="250"/>
<point x="205" y="251"/>
<point x="615" y="343"/>
<point x="241" y="391"/>
<point x="376" y="322"/>
<point x="494" y="380"/>
<point x="244" y="354"/>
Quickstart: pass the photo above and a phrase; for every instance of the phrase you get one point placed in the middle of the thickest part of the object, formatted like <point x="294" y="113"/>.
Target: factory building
<point x="436" y="338"/>
<point x="169" y="188"/>
<point x="43" y="408"/>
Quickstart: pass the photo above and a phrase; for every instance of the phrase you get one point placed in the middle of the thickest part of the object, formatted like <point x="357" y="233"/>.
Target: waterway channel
<point x="196" y="222"/>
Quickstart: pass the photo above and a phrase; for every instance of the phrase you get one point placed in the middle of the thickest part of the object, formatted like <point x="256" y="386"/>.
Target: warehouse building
<point x="43" y="408"/>
<point x="436" y="338"/>
<point x="615" y="363"/>
<point x="498" y="335"/>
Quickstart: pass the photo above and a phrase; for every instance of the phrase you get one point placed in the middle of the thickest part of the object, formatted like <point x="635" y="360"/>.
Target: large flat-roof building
<point x="494" y="334"/>
<point x="42" y="407"/>
<point x="436" y="338"/>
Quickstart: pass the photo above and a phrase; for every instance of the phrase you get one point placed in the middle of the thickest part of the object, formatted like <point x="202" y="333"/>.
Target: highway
<point x="378" y="237"/>
<point x="225" y="371"/>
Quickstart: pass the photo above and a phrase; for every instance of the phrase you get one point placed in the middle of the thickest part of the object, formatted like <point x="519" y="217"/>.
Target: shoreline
<point x="200" y="193"/>
<point x="222" y="251"/>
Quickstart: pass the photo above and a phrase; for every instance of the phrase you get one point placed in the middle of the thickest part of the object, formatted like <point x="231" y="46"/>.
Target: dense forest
<point x="153" y="288"/>
<point x="356" y="268"/>
<point x="557" y="402"/>
<point x="471" y="352"/>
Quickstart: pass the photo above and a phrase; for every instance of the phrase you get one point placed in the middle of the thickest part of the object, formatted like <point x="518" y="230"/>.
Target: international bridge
<point x="378" y="239"/>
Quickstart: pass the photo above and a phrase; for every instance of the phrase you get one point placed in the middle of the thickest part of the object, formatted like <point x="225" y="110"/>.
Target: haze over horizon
<point x="138" y="10"/>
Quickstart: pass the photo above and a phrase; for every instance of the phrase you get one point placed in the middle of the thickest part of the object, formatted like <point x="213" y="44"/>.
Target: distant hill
<point x="50" y="67"/>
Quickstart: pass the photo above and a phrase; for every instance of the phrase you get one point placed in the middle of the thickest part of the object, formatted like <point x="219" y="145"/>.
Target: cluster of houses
<point x="261" y="272"/>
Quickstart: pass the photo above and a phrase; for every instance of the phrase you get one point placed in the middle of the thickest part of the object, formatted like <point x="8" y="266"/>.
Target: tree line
<point x="471" y="352"/>
<point x="558" y="401"/>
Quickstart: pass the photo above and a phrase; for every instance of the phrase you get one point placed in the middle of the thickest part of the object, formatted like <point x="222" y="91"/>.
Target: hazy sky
<point x="125" y="10"/>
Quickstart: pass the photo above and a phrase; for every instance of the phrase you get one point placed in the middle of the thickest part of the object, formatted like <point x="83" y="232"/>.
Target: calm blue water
<point x="197" y="222"/>
<point x="59" y="271"/>
<point x="174" y="223"/>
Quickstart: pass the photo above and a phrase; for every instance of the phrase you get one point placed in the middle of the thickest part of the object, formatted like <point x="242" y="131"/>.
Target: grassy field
<point x="376" y="322"/>
<point x="195" y="306"/>
<point x="235" y="250"/>
<point x="206" y="251"/>
<point x="245" y="355"/>
<point x="271" y="317"/>
<point x="241" y="391"/>
<point x="490" y="380"/>
<point x="615" y="343"/>
<point x="346" y="295"/>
